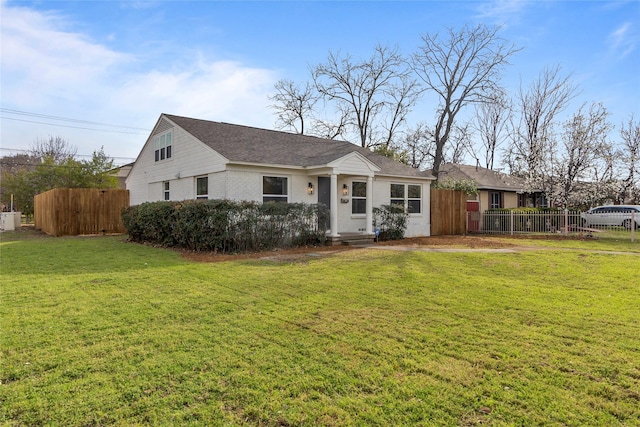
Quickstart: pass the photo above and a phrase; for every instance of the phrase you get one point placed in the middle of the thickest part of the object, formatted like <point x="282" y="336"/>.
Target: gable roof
<point x="244" y="144"/>
<point x="486" y="179"/>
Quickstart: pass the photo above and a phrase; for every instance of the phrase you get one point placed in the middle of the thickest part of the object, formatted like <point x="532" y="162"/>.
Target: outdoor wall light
<point x="345" y="190"/>
<point x="310" y="188"/>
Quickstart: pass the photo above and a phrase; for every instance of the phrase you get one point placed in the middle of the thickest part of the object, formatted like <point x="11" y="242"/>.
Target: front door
<point x="324" y="195"/>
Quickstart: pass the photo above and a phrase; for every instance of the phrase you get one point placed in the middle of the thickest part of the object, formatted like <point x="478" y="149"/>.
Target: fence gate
<point x="473" y="216"/>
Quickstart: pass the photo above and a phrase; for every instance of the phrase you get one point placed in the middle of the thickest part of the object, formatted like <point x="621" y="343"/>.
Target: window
<point x="202" y="187"/>
<point x="408" y="196"/>
<point x="495" y="199"/>
<point x="358" y="197"/>
<point x="542" y="201"/>
<point x="523" y="200"/>
<point x="397" y="194"/>
<point x="163" y="146"/>
<point x="165" y="187"/>
<point x="414" y="199"/>
<point x="275" y="189"/>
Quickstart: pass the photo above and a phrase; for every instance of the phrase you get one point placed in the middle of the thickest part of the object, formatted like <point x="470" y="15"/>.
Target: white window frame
<point x="500" y="201"/>
<point x="405" y="199"/>
<point x="202" y="196"/>
<point x="166" y="187"/>
<point x="355" y="197"/>
<point x="163" y="146"/>
<point x="419" y="199"/>
<point x="281" y="198"/>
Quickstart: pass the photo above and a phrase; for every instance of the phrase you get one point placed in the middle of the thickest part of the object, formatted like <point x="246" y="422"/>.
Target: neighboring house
<point x="121" y="173"/>
<point x="187" y="158"/>
<point x="495" y="189"/>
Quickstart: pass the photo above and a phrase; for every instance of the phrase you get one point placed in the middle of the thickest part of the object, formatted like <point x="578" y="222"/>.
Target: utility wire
<point x="88" y="156"/>
<point x="73" y="127"/>
<point x="64" y="119"/>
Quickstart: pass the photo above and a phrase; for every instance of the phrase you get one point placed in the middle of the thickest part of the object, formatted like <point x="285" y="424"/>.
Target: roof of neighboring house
<point x="486" y="179"/>
<point x="244" y="144"/>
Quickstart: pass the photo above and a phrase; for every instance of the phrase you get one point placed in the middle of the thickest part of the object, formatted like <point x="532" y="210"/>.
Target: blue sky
<point x="67" y="65"/>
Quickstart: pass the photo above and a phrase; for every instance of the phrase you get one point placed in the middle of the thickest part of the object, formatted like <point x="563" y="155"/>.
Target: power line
<point x="73" y="127"/>
<point x="64" y="119"/>
<point x="116" y="159"/>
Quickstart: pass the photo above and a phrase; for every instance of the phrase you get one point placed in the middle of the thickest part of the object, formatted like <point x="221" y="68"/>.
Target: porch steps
<point x="352" y="239"/>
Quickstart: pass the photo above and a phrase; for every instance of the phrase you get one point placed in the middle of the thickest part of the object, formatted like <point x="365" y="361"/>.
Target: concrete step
<point x="356" y="242"/>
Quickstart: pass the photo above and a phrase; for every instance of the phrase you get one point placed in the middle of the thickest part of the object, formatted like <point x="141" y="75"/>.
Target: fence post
<point x="565" y="230"/>
<point x="511" y="222"/>
<point x="633" y="226"/>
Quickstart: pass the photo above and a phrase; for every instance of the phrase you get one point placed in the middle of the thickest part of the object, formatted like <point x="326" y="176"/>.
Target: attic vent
<point x="164" y="125"/>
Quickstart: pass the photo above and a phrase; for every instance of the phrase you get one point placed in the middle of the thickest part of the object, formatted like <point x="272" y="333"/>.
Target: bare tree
<point x="532" y="144"/>
<point x="55" y="148"/>
<point x="630" y="160"/>
<point x="293" y="104"/>
<point x="462" y="68"/>
<point x="331" y="129"/>
<point x="491" y="124"/>
<point x="419" y="145"/>
<point x="459" y="143"/>
<point x="376" y="94"/>
<point x="584" y="145"/>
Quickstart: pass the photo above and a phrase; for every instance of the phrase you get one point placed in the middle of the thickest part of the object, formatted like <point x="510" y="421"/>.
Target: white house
<point x="187" y="158"/>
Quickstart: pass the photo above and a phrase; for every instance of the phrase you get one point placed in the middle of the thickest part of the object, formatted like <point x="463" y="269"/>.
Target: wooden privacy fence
<point x="448" y="212"/>
<point x="76" y="211"/>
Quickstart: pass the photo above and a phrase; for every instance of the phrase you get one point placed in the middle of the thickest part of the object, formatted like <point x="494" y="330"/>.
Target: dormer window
<point x="163" y="146"/>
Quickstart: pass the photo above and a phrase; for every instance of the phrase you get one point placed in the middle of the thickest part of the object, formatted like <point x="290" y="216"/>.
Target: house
<point x="186" y="158"/>
<point x="121" y="173"/>
<point x="495" y="189"/>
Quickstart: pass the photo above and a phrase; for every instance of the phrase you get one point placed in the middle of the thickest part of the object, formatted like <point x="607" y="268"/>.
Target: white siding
<point x="189" y="158"/>
<point x="353" y="164"/>
<point x="348" y="222"/>
<point x="418" y="224"/>
<point x="246" y="184"/>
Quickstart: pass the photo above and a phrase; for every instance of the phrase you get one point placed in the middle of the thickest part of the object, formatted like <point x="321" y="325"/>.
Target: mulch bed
<point x="293" y="254"/>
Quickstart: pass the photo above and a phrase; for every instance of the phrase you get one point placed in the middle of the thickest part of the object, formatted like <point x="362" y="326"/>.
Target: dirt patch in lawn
<point x="305" y="253"/>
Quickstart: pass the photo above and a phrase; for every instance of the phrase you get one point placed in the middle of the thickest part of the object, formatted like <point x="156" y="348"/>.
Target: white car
<point x="612" y="215"/>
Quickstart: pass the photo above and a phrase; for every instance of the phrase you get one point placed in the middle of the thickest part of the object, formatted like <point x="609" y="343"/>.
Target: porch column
<point x="333" y="214"/>
<point x="369" y="226"/>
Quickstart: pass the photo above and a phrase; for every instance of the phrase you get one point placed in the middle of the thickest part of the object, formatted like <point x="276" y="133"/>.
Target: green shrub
<point x="226" y="226"/>
<point x="391" y="221"/>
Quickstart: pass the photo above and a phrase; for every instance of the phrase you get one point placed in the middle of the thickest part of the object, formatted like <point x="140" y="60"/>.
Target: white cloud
<point x="216" y="90"/>
<point x="502" y="11"/>
<point x="622" y="40"/>
<point x="47" y="68"/>
<point x="40" y="58"/>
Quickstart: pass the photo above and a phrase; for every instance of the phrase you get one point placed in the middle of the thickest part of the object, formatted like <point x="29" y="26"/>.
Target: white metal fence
<point x="556" y="222"/>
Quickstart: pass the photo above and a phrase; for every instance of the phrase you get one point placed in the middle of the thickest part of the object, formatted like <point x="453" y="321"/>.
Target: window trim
<point x="500" y="201"/>
<point x="166" y="188"/>
<point x="163" y="146"/>
<point x="354" y="197"/>
<point x="202" y="196"/>
<point x="282" y="198"/>
<point x="406" y="199"/>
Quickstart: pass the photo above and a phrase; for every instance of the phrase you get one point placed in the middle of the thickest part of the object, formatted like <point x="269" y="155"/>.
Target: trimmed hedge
<point x="226" y="226"/>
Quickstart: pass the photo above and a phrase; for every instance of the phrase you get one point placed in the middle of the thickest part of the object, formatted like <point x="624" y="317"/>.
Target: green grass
<point x="97" y="331"/>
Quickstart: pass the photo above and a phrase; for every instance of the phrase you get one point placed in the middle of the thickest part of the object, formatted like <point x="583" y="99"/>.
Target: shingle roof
<point x="246" y="144"/>
<point x="487" y="179"/>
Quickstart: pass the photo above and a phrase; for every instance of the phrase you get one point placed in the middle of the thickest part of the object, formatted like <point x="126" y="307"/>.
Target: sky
<point x="100" y="73"/>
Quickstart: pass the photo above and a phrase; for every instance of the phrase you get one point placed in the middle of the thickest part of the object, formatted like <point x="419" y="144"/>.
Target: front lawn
<point x="97" y="331"/>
